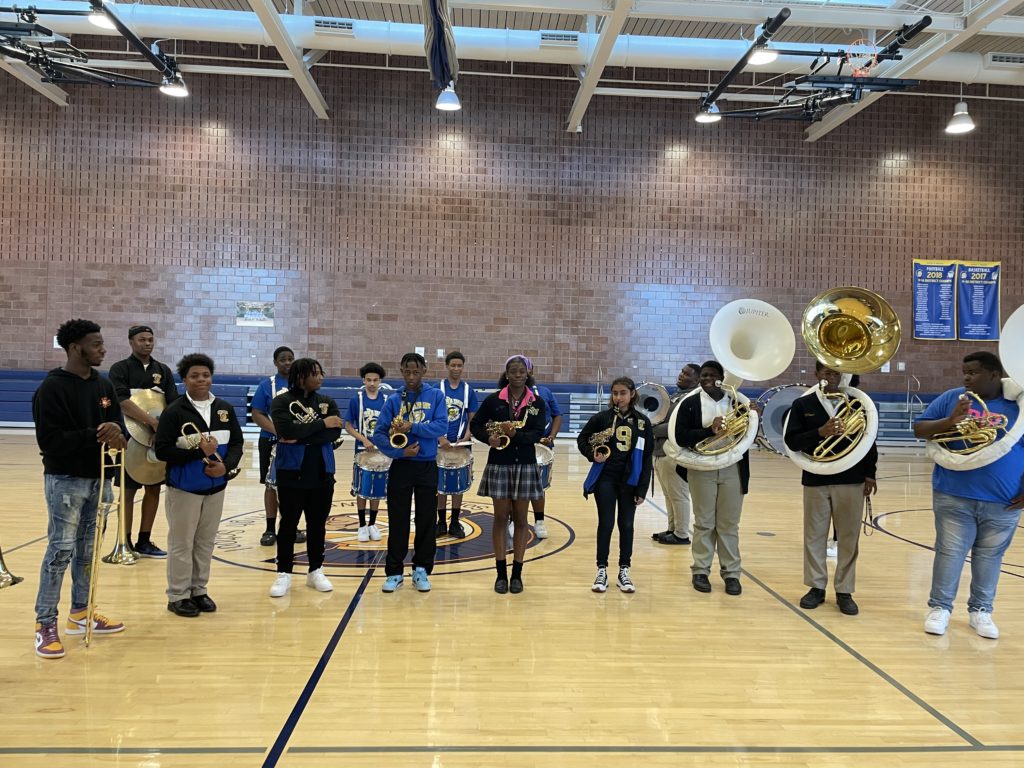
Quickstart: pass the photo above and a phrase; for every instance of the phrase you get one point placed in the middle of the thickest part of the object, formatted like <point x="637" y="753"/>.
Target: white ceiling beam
<point x="610" y="30"/>
<point x="33" y="80"/>
<point x="312" y="57"/>
<point x="290" y="55"/>
<point x="983" y="14"/>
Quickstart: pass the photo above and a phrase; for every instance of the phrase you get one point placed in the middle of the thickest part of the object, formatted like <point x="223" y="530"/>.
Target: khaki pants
<point x="843" y="506"/>
<point x="717" y="502"/>
<point x="192" y="523"/>
<point x="677" y="496"/>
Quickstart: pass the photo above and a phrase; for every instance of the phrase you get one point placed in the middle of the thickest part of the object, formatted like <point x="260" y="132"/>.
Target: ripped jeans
<point x="71" y="504"/>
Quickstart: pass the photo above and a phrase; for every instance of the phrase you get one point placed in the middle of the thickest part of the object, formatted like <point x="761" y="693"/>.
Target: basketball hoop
<point x="861" y="62"/>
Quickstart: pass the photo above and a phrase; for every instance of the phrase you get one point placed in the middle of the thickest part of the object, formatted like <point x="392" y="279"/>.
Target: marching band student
<point x="140" y="371"/>
<point x="363" y="411"/>
<point x="516" y="416"/>
<point x="200" y="439"/>
<point x="267" y="390"/>
<point x="717" y="495"/>
<point x="417" y="411"/>
<point x="462" y="404"/>
<point x="307" y="424"/>
<point x="977" y="511"/>
<point x="675" y="488"/>
<point x="75" y="411"/>
<point x="837" y="499"/>
<point x="551" y="429"/>
<point x="620" y="475"/>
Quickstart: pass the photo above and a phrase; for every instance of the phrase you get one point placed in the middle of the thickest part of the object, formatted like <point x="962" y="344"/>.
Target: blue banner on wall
<point x="935" y="299"/>
<point x="978" y="300"/>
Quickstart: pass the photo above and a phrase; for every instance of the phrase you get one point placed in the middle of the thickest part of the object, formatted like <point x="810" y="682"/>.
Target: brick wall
<point x="490" y="230"/>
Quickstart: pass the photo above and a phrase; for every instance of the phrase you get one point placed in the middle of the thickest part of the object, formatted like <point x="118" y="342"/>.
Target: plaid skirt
<point x="511" y="481"/>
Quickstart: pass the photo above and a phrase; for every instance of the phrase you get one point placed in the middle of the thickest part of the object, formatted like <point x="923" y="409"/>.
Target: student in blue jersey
<point x="977" y="511"/>
<point x="267" y="390"/>
<point x="462" y="404"/>
<point x="307" y="424"/>
<point x="551" y="429"/>
<point x="622" y="453"/>
<point x="418" y="413"/>
<point x="200" y="439"/>
<point x="363" y="411"/>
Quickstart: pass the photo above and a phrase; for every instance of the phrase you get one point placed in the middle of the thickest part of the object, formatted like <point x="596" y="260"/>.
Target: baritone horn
<point x="7" y="579"/>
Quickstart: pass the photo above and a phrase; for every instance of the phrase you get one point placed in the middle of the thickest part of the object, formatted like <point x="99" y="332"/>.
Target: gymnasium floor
<point x="556" y="676"/>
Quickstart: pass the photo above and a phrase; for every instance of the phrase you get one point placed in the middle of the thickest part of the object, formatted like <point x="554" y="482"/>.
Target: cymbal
<point x="140" y="431"/>
<point x="141" y="464"/>
<point x="153" y="403"/>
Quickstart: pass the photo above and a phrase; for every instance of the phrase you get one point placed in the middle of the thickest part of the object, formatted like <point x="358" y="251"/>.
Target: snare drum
<point x="545" y="461"/>
<point x="454" y="470"/>
<point x="370" y="475"/>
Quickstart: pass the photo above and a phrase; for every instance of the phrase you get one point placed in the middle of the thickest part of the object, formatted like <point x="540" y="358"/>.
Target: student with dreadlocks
<point x="620" y="443"/>
<point x="413" y="418"/>
<point x="307" y="424"/>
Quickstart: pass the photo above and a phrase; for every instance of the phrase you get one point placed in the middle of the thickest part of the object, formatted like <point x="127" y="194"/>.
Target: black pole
<point x="904" y="36"/>
<point x="771" y="26"/>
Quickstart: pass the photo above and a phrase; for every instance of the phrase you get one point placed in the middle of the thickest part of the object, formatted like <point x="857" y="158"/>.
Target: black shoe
<point x="186" y="607"/>
<point x="440" y="530"/>
<point x="501" y="585"/>
<point x="733" y="586"/>
<point x="204" y="603"/>
<point x="659" y="534"/>
<point x="456" y="531"/>
<point x="813" y="598"/>
<point x="268" y="539"/>
<point x="300" y="537"/>
<point x="701" y="582"/>
<point x="669" y="537"/>
<point x="846" y="604"/>
<point x="515" y="586"/>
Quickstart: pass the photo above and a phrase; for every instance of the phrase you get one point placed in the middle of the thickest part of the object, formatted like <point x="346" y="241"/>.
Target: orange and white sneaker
<point x="101" y="625"/>
<point x="48" y="644"/>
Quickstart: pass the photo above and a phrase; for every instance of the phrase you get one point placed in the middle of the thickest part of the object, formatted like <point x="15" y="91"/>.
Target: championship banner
<point x="935" y="299"/>
<point x="978" y="300"/>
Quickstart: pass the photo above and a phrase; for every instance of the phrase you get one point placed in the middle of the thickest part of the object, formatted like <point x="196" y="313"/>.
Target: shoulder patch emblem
<point x="157" y="377"/>
<point x="223" y="416"/>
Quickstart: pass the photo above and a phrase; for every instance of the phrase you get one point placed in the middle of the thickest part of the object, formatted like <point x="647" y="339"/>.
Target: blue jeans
<point x="982" y="528"/>
<point x="71" y="504"/>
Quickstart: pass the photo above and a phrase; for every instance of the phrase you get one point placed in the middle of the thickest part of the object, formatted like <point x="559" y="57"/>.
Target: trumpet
<point x="734" y="427"/>
<point x="304" y="414"/>
<point x="599" y="443"/>
<point x="976" y="432"/>
<point x="501" y="430"/>
<point x="111" y="459"/>
<point x="851" y="413"/>
<point x="398" y="439"/>
<point x="7" y="579"/>
<point x="194" y="438"/>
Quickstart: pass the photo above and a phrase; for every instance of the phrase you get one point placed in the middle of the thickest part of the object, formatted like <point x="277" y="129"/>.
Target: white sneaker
<point x="625" y="583"/>
<point x="600" y="581"/>
<point x="937" y="621"/>
<point x="540" y="529"/>
<point x="832" y="548"/>
<point x="982" y="623"/>
<point x="374" y="532"/>
<point x="281" y="585"/>
<point x="511" y="529"/>
<point x="318" y="580"/>
<point x="364" y="533"/>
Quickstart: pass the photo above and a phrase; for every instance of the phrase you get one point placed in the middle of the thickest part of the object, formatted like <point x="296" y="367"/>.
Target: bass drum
<point x="777" y="402"/>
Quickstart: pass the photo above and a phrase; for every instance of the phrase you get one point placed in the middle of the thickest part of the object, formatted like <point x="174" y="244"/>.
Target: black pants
<point x="316" y="503"/>
<point x="405" y="478"/>
<point x="607" y="495"/>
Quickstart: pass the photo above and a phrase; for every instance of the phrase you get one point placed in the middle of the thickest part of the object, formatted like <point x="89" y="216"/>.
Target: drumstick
<point x="463" y="444"/>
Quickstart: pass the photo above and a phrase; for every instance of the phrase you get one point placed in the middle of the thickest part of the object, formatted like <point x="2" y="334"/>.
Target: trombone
<point x="110" y="459"/>
<point x="7" y="579"/>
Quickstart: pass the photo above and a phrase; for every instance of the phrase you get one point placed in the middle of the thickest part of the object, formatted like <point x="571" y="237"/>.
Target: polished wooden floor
<point x="557" y="676"/>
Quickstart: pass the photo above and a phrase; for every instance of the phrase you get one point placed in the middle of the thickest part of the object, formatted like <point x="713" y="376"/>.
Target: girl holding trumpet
<point x="307" y="424"/>
<point x="200" y="439"/>
<point x="511" y="421"/>
<point x="620" y="443"/>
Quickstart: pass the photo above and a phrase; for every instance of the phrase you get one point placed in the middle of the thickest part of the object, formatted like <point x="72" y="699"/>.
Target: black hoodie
<point x="67" y="409"/>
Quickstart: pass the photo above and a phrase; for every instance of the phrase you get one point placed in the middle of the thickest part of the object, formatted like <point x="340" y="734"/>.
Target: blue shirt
<point x="553" y="410"/>
<point x="371" y="412"/>
<point x="461" y="402"/>
<point x="428" y="413"/>
<point x="999" y="481"/>
<point x="267" y="390"/>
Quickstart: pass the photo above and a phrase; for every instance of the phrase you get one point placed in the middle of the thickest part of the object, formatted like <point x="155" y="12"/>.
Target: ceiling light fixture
<point x="961" y="121"/>
<point x="762" y="54"/>
<point x="709" y="114"/>
<point x="174" y="85"/>
<point x="99" y="19"/>
<point x="448" y="100"/>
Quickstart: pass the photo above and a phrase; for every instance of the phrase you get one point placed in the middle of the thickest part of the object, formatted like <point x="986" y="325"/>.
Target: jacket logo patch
<point x="533" y="411"/>
<point x="157" y="377"/>
<point x="223" y="416"/>
<point x="323" y="409"/>
<point x="104" y="402"/>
